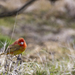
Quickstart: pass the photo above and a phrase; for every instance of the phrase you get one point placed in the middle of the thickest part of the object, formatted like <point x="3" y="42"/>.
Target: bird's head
<point x="21" y="42"/>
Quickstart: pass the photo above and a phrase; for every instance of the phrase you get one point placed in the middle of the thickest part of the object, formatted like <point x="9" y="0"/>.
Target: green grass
<point x="4" y="39"/>
<point x="40" y="73"/>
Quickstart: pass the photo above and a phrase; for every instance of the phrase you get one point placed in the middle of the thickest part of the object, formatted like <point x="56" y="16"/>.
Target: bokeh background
<point x="46" y="25"/>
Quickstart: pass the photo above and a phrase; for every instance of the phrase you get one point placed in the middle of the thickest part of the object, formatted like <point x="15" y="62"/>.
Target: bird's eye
<point x="21" y="43"/>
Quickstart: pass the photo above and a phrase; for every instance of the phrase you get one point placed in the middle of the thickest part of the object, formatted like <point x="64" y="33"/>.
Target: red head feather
<point x="21" y="42"/>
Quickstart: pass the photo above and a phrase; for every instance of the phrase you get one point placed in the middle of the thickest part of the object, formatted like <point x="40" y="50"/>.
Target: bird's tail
<point x="2" y="53"/>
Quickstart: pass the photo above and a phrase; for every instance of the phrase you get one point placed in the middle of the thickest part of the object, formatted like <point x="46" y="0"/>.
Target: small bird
<point x="16" y="48"/>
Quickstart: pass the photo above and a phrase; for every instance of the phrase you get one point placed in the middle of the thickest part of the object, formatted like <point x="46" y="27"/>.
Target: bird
<point x="16" y="48"/>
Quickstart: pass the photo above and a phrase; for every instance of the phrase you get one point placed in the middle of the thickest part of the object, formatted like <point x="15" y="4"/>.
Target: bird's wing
<point x="12" y="48"/>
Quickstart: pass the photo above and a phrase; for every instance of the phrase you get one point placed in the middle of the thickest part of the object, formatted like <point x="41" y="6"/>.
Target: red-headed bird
<point x="16" y="48"/>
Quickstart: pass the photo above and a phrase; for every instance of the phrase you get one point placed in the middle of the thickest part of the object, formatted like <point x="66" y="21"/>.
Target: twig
<point x="13" y="13"/>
